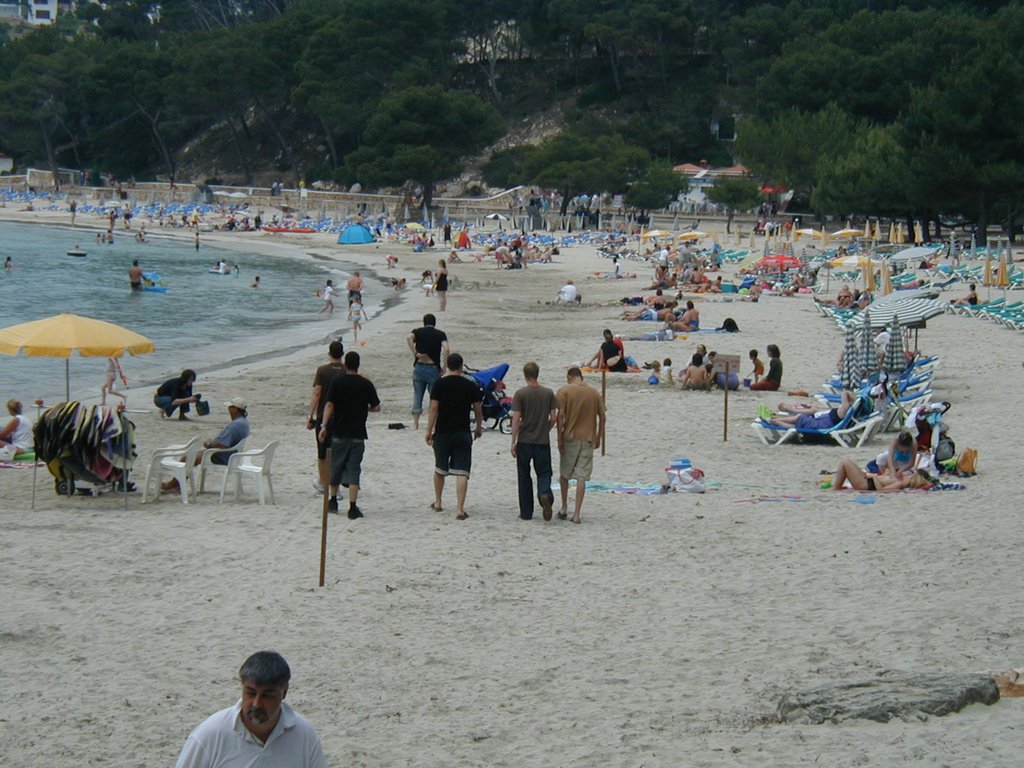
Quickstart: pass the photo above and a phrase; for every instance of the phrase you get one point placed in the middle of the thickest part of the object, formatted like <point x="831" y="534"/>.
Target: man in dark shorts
<point x="322" y="380"/>
<point x="451" y="399"/>
<point x="429" y="347"/>
<point x="135" y="275"/>
<point x="534" y="413"/>
<point x="349" y="400"/>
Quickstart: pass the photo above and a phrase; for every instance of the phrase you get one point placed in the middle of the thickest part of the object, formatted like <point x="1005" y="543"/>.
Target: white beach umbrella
<point x="910" y="311"/>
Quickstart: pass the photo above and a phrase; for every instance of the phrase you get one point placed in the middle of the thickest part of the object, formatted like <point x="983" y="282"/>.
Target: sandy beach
<point x="660" y="632"/>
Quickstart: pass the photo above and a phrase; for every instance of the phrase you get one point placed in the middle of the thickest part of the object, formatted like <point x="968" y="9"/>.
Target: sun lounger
<point x="851" y="432"/>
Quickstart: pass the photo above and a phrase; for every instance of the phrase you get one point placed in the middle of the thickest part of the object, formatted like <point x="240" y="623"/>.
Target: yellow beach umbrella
<point x="414" y="225"/>
<point x="868" y="271"/>
<point x="823" y="235"/>
<point x="61" y="335"/>
<point x="878" y="230"/>
<point x="867" y="229"/>
<point x="987" y="278"/>
<point x="892" y="232"/>
<point x="1003" y="279"/>
<point x="886" y="279"/>
<point x="847" y="232"/>
<point x="656" y="233"/>
<point x="918" y="233"/>
<point x="693" y="235"/>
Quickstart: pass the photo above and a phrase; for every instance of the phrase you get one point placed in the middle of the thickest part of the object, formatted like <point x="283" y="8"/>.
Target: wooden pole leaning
<point x="323" y="524"/>
<point x="604" y="402"/>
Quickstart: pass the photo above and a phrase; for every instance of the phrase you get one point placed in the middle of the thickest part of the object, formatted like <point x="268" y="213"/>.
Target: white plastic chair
<point x="256" y="463"/>
<point x="175" y="461"/>
<point x="207" y="461"/>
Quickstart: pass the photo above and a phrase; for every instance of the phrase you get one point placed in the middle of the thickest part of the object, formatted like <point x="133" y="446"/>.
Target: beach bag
<point x="202" y="408"/>
<point x="729" y="326"/>
<point x="685" y="480"/>
<point x="945" y="450"/>
<point x="967" y="464"/>
<point x="7" y="453"/>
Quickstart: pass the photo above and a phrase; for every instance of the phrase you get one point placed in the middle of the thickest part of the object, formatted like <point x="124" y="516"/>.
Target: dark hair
<point x="606" y="332"/>
<point x="429" y="319"/>
<point x="336" y="349"/>
<point x="773" y="351"/>
<point x="531" y="370"/>
<point x="753" y="354"/>
<point x="187" y="374"/>
<point x="697" y="359"/>
<point x="352" y="361"/>
<point x="265" y="668"/>
<point x="454" y="362"/>
<point x="904" y="438"/>
<point x="689" y="305"/>
<point x="574" y="373"/>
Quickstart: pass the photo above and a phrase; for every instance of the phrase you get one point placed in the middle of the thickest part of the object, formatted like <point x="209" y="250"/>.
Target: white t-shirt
<point x="328" y="293"/>
<point x="568" y="293"/>
<point x="882" y="340"/>
<point x="22" y="435"/>
<point x="223" y="741"/>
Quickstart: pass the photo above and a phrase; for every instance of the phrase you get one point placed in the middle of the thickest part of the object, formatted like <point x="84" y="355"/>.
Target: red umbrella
<point x="779" y="262"/>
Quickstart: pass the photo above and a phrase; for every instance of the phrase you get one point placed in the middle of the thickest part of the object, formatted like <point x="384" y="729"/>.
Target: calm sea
<point x="201" y="321"/>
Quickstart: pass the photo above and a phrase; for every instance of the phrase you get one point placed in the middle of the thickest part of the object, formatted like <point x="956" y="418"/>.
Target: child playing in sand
<point x="113" y="372"/>
<point x="357" y="315"/>
<point x="666" y="370"/>
<point x="758" y="371"/>
<point x="428" y="282"/>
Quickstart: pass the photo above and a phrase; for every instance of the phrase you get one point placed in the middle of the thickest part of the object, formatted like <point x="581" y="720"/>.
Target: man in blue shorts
<point x="452" y="398"/>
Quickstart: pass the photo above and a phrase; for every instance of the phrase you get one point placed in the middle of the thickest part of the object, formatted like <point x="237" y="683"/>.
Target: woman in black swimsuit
<point x="442" y="284"/>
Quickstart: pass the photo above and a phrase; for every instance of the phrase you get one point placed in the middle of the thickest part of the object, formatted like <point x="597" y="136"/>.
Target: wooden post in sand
<point x="604" y="402"/>
<point x="725" y="408"/>
<point x="323" y="524"/>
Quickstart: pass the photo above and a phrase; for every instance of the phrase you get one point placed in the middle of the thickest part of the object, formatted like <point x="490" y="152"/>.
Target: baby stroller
<point x="496" y="406"/>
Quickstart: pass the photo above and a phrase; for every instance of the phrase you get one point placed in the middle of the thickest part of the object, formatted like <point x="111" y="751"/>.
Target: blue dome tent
<point x="355" y="234"/>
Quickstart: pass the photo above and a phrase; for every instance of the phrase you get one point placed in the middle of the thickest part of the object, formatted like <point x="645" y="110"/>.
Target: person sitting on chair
<point x="235" y="432"/>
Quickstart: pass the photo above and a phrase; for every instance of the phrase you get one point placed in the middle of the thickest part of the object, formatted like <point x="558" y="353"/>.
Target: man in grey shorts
<point x="349" y="401"/>
<point x="580" y="430"/>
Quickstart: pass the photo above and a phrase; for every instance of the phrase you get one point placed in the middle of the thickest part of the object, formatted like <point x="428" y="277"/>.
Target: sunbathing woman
<point x="860" y="480"/>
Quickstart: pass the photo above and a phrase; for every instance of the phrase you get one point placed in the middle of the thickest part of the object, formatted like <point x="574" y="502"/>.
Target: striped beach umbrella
<point x="911" y="311"/>
<point x="868" y="354"/>
<point x="895" y="362"/>
<point x="849" y="375"/>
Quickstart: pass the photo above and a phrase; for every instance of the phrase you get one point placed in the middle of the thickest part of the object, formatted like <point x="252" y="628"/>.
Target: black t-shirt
<point x="174" y="389"/>
<point x="352" y="397"/>
<point x="455" y="396"/>
<point x="610" y="350"/>
<point x="428" y="340"/>
<point x="325" y="376"/>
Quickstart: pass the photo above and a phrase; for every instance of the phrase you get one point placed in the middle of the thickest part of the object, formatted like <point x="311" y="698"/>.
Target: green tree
<point x="656" y="188"/>
<point x="735" y="194"/>
<point x="577" y="161"/>
<point x="422" y="134"/>
<point x="785" y="149"/>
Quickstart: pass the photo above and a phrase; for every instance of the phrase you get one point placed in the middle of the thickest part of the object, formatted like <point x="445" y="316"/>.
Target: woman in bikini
<point x="860" y="480"/>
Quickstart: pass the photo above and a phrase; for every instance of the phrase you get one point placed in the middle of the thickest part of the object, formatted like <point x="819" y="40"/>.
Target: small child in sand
<point x="758" y="371"/>
<point x="113" y="372"/>
<point x="428" y="282"/>
<point x="666" y="370"/>
<point x="357" y="315"/>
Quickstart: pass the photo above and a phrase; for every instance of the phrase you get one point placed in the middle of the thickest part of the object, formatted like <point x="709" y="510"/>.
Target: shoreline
<point x="230" y="241"/>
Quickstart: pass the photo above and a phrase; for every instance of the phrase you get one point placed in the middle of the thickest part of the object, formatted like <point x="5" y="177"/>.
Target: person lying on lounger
<point x="825" y="419"/>
<point x="860" y="480"/>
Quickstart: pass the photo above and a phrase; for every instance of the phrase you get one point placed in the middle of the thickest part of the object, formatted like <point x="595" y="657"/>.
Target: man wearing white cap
<point x="235" y="432"/>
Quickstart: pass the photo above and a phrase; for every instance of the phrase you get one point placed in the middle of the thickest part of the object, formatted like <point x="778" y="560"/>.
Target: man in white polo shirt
<point x="260" y="729"/>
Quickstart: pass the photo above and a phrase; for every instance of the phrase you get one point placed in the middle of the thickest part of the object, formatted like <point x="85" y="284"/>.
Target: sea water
<point x="202" y="321"/>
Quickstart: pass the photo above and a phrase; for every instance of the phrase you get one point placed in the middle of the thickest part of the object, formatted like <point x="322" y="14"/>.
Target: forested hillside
<point x="880" y="106"/>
